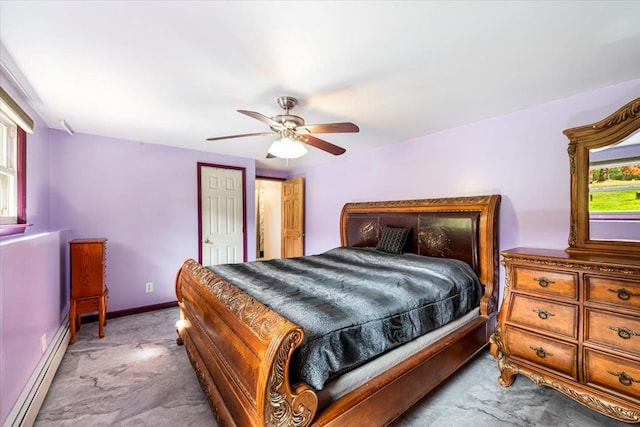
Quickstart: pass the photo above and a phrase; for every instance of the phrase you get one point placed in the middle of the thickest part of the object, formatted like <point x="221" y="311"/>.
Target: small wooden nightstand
<point x="89" y="290"/>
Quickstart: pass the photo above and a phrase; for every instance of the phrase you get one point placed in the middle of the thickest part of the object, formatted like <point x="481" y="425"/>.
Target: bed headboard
<point x="465" y="228"/>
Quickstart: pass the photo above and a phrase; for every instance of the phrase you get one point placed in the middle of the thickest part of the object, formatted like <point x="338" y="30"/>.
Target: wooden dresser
<point x="572" y="322"/>
<point x="89" y="290"/>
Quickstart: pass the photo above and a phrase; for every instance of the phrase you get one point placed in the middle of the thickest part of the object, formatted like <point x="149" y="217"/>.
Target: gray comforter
<point x="356" y="303"/>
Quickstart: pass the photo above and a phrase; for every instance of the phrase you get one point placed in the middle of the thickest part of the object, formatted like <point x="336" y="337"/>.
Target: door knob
<point x="207" y="241"/>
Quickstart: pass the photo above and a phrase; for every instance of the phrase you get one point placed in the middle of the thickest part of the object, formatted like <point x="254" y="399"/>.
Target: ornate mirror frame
<point x="610" y="130"/>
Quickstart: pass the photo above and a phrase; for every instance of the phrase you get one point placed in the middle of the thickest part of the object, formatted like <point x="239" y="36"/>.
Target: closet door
<point x="222" y="215"/>
<point x="293" y="218"/>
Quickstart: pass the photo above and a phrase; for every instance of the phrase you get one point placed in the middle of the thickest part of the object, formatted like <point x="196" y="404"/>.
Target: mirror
<point x="614" y="191"/>
<point x="604" y="160"/>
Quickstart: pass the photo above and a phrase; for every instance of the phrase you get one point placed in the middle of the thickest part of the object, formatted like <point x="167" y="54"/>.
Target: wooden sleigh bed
<point x="241" y="350"/>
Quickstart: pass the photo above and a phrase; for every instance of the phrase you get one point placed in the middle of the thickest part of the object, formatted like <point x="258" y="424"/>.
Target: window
<point x="614" y="191"/>
<point x="614" y="181"/>
<point x="14" y="123"/>
<point x="8" y="171"/>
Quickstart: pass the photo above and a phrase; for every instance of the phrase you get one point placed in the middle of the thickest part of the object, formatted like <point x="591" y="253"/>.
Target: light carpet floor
<point x="137" y="376"/>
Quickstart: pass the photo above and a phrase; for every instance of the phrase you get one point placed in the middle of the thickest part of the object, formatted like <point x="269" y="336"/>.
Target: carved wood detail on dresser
<point x="572" y="322"/>
<point x="89" y="290"/>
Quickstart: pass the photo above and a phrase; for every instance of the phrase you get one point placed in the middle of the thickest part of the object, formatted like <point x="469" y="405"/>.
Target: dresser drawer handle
<point x="543" y="281"/>
<point x="624" y="378"/>
<point x="543" y="314"/>
<point x="540" y="352"/>
<point x="624" y="294"/>
<point x="624" y="333"/>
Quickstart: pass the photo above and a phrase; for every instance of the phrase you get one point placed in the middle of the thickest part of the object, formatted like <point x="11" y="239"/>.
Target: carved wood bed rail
<point x="241" y="349"/>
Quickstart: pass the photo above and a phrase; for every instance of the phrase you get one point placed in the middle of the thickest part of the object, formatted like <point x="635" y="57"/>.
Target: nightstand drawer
<point x="608" y="290"/>
<point x="614" y="330"/>
<point x="544" y="315"/>
<point x="553" y="354"/>
<point x="547" y="282"/>
<point x="611" y="372"/>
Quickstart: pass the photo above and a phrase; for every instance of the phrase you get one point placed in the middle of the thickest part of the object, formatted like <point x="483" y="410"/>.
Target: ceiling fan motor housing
<point x="288" y="121"/>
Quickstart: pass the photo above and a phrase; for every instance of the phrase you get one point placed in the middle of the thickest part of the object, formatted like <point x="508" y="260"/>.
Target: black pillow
<point x="393" y="239"/>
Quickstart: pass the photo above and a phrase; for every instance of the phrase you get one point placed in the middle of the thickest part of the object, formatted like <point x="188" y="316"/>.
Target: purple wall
<point x="33" y="304"/>
<point x="33" y="296"/>
<point x="143" y="198"/>
<point x="522" y="156"/>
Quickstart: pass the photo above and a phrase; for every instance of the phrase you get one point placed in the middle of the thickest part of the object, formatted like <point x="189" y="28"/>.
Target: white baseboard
<point x="25" y="411"/>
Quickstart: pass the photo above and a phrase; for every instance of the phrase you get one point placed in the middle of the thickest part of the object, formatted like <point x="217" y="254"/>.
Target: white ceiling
<point x="175" y="72"/>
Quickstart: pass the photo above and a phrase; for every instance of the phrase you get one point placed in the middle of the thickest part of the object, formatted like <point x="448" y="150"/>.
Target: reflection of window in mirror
<point x="614" y="184"/>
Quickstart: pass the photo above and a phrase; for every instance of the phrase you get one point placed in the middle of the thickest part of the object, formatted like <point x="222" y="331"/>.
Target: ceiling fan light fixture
<point x="287" y="148"/>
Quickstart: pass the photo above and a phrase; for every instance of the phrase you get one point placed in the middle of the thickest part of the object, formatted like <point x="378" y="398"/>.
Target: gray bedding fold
<point x="356" y="303"/>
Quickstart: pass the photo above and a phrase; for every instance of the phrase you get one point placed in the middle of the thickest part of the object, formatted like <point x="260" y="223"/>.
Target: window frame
<point x="21" y="172"/>
<point x="17" y="116"/>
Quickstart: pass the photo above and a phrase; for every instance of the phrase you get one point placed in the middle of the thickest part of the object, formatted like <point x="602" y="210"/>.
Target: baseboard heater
<point x="25" y="411"/>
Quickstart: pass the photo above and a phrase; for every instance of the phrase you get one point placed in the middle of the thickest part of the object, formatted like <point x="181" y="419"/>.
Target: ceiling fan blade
<point x="240" y="136"/>
<point x="262" y="118"/>
<point x="331" y="128"/>
<point x="322" y="144"/>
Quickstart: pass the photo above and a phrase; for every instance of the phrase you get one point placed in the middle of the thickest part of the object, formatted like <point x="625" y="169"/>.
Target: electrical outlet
<point x="148" y="287"/>
<point x="43" y="343"/>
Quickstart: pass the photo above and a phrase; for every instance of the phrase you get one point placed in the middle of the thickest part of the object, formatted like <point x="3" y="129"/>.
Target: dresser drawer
<point x="545" y="315"/>
<point x="611" y="372"/>
<point x="86" y="305"/>
<point x="608" y="290"/>
<point x="553" y="354"/>
<point x="548" y="282"/>
<point x="612" y="329"/>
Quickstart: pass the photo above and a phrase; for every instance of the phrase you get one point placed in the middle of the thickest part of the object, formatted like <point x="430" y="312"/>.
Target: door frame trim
<point x="244" y="206"/>
<point x="269" y="178"/>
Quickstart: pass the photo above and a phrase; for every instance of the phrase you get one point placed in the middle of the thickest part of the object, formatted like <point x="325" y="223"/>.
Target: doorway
<point x="268" y="218"/>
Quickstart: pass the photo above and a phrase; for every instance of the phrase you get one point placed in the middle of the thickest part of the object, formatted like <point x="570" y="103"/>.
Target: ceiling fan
<point x="293" y="133"/>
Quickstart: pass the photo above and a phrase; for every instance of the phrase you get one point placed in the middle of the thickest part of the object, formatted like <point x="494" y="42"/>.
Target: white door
<point x="222" y="215"/>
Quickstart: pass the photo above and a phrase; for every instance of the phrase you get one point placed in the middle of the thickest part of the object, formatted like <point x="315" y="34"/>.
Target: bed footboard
<point x="240" y="350"/>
